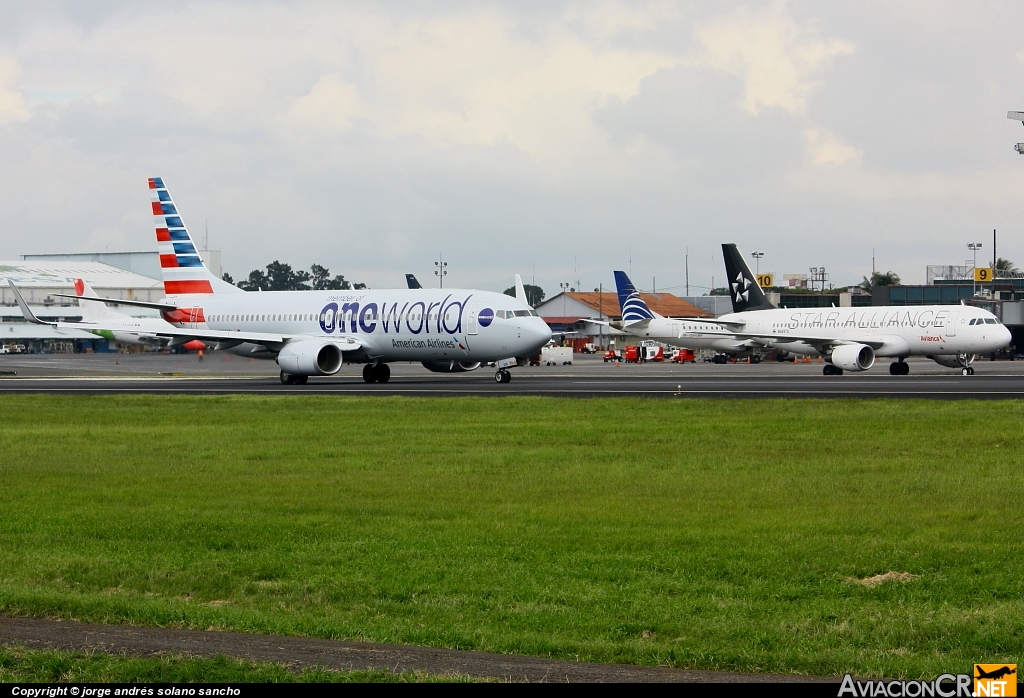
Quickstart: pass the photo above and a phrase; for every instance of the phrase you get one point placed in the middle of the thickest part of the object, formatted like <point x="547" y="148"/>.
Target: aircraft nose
<point x="543" y="331"/>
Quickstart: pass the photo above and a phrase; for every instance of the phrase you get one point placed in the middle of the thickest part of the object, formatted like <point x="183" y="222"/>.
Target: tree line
<point x="281" y="277"/>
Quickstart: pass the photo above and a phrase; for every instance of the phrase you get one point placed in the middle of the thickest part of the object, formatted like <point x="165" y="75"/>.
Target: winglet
<point x="29" y="315"/>
<point x="520" y="291"/>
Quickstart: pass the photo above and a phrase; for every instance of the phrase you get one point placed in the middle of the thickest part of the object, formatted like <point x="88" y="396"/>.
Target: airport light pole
<point x="974" y="247"/>
<point x="757" y="261"/>
<point x="564" y="287"/>
<point x="442" y="269"/>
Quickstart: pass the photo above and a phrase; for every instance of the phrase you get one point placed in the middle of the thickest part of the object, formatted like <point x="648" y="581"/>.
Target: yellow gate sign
<point x="765" y="280"/>
<point x="982" y="274"/>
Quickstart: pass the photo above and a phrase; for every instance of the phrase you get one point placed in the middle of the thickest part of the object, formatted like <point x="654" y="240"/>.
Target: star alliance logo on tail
<point x="745" y="282"/>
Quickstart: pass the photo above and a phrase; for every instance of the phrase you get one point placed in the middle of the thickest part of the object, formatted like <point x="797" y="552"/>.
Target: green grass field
<point x="710" y="534"/>
<point x="19" y="664"/>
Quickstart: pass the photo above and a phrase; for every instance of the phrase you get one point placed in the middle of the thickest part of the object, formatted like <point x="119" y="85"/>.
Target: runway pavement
<point x="589" y="376"/>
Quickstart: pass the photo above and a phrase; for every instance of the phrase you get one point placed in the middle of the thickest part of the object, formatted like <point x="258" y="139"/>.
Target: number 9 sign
<point x="982" y="274"/>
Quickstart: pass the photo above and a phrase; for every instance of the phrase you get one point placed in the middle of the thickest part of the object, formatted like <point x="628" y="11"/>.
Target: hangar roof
<point x="607" y="305"/>
<point x="63" y="274"/>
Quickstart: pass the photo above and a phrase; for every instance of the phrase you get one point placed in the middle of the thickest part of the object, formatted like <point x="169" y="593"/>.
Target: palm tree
<point x="879" y="278"/>
<point x="1006" y="265"/>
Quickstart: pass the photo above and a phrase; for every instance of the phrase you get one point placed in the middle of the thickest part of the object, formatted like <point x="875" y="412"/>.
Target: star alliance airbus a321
<point x="848" y="338"/>
<point x="312" y="333"/>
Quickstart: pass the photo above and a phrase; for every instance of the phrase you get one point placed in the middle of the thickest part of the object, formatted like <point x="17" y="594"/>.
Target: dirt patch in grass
<point x="887" y="577"/>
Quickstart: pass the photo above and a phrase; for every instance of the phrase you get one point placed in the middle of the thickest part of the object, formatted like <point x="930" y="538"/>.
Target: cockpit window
<point x="991" y="321"/>
<point x="973" y="320"/>
<point x="522" y="313"/>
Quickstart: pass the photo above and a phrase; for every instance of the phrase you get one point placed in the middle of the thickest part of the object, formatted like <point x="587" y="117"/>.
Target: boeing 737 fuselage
<point x="312" y="333"/>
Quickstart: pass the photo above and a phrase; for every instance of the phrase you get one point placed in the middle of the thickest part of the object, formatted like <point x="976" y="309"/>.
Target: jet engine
<point x="953" y="360"/>
<point x="853" y="357"/>
<point x="310" y="357"/>
<point x="451" y="366"/>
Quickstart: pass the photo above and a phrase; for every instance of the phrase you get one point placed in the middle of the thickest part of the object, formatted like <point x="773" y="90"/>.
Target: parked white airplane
<point x="116" y="326"/>
<point x="312" y="333"/>
<point x="848" y="338"/>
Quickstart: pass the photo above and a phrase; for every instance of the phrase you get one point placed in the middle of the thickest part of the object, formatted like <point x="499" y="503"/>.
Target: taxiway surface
<point x="588" y="376"/>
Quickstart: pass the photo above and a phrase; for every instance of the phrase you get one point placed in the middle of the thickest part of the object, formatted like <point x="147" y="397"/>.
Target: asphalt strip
<point x="335" y="654"/>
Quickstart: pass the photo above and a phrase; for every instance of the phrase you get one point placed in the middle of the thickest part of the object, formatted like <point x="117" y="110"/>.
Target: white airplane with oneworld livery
<point x="312" y="333"/>
<point x="848" y="338"/>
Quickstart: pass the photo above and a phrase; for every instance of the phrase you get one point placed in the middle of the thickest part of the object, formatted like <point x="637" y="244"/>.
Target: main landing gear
<point x="376" y="373"/>
<point x="830" y="370"/>
<point x="899" y="368"/>
<point x="293" y="379"/>
<point x="503" y="376"/>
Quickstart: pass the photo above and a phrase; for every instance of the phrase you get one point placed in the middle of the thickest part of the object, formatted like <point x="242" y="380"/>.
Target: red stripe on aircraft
<point x="175" y="287"/>
<point x="152" y="184"/>
<point x="168" y="260"/>
<point x="162" y="235"/>
<point x="157" y="211"/>
<point x="180" y="315"/>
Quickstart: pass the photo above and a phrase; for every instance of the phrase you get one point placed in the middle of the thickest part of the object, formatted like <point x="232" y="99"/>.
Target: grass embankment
<point x="709" y="534"/>
<point x="18" y="664"/>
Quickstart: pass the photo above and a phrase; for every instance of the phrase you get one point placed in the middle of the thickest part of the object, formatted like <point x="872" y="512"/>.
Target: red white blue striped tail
<point x="183" y="269"/>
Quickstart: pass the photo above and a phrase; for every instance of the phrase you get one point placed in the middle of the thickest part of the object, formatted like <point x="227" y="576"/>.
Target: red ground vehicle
<point x="682" y="356"/>
<point x="636" y="355"/>
<point x="655" y="353"/>
<point x="612" y="355"/>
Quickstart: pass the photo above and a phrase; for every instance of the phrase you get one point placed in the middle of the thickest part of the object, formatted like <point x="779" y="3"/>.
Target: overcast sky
<point x="561" y="140"/>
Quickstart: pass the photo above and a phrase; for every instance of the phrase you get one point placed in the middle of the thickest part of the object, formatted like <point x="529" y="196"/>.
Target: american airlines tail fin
<point x="633" y="307"/>
<point x="94" y="312"/>
<point x="743" y="287"/>
<point x="183" y="269"/>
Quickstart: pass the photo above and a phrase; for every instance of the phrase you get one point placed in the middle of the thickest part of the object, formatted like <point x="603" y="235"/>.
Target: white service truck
<point x="553" y="356"/>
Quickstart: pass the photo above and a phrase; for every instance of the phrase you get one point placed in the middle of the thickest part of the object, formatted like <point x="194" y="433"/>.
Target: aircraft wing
<point x="114" y="301"/>
<point x="183" y="335"/>
<point x="817" y="341"/>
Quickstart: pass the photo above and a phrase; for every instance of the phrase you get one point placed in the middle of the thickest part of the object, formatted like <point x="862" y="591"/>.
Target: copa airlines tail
<point x="316" y="332"/>
<point x="635" y="312"/>
<point x="848" y="338"/>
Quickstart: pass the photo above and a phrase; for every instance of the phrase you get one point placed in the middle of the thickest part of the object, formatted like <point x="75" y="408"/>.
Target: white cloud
<point x="779" y="59"/>
<point x="825" y="148"/>
<point x="612" y="17"/>
<point x="475" y="80"/>
<point x="332" y="103"/>
<point x="12" y="102"/>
